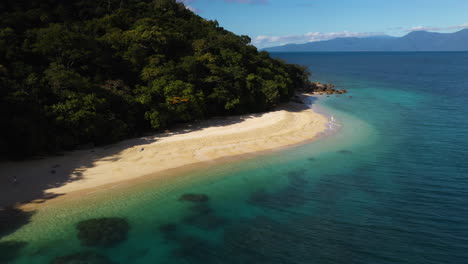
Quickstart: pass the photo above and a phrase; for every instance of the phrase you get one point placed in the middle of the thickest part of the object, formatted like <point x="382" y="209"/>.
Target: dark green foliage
<point x="85" y="257"/>
<point x="97" y="71"/>
<point x="102" y="231"/>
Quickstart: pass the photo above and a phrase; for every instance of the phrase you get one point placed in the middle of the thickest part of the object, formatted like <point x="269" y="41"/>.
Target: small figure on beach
<point x="142" y="149"/>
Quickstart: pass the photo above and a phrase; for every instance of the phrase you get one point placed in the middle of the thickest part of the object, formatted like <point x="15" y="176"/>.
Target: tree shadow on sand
<point x="12" y="219"/>
<point x="29" y="181"/>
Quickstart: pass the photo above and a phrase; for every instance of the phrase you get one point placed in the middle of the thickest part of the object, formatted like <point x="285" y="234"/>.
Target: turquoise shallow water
<point x="389" y="187"/>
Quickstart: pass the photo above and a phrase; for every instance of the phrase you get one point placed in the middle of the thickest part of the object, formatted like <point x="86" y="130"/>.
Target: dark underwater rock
<point x="296" y="178"/>
<point x="168" y="228"/>
<point x="290" y="195"/>
<point x="104" y="232"/>
<point x="201" y="209"/>
<point x="11" y="219"/>
<point x="204" y="217"/>
<point x="195" y="249"/>
<point x="260" y="197"/>
<point x="260" y="240"/>
<point x="169" y="231"/>
<point x="205" y="221"/>
<point x="85" y="257"/>
<point x="345" y="151"/>
<point x="195" y="198"/>
<point x="10" y="250"/>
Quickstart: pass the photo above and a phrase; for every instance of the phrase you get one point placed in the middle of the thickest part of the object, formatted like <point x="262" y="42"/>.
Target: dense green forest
<point x="75" y="72"/>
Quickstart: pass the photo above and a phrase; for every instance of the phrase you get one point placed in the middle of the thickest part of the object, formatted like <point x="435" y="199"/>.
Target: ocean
<point x="390" y="185"/>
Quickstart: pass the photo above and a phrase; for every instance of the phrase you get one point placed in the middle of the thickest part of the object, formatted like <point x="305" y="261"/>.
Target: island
<point x="124" y="89"/>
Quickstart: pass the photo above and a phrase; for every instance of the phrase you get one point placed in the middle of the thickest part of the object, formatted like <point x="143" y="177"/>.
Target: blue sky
<point x="277" y="22"/>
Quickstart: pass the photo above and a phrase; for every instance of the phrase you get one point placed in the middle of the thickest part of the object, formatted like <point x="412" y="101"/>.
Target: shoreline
<point x="201" y="143"/>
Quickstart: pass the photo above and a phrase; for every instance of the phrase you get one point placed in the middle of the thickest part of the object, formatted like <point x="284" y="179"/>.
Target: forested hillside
<point x="74" y="72"/>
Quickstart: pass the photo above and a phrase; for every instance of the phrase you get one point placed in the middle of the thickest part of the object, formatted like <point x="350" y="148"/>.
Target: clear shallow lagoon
<point x="391" y="186"/>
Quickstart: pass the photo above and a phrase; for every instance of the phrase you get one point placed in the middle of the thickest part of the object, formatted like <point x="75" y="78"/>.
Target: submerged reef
<point x="203" y="217"/>
<point x="10" y="250"/>
<point x="104" y="232"/>
<point x="290" y="195"/>
<point x="11" y="219"/>
<point x="345" y="151"/>
<point x="195" y="198"/>
<point x="85" y="257"/>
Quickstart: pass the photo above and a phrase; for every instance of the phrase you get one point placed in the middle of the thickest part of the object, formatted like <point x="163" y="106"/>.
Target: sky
<point x="278" y="22"/>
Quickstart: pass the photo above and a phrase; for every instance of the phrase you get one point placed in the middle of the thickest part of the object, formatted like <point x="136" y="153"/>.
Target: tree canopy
<point x="75" y="72"/>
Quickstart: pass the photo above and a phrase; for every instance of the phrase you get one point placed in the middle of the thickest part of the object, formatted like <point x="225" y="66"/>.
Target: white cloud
<point x="193" y="9"/>
<point x="188" y="6"/>
<point x="265" y="41"/>
<point x="427" y="28"/>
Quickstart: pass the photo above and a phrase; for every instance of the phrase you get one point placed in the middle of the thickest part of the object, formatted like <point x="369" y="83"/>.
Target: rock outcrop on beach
<point x="322" y="88"/>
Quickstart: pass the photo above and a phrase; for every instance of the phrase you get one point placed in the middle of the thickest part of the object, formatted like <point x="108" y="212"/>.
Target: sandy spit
<point x="208" y="140"/>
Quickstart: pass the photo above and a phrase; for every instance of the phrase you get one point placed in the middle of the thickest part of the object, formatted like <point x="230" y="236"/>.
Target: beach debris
<point x="195" y="198"/>
<point x="84" y="257"/>
<point x="104" y="232"/>
<point x="345" y="151"/>
<point x="142" y="149"/>
<point x="10" y="250"/>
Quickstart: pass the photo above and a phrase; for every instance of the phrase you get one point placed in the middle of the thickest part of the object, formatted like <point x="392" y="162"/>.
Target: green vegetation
<point x="76" y="72"/>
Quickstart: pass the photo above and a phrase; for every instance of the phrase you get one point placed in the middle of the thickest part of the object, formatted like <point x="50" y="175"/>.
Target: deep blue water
<point x="390" y="187"/>
<point x="420" y="215"/>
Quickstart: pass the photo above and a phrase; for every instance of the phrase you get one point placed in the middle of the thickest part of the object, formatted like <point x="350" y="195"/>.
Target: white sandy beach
<point x="203" y="141"/>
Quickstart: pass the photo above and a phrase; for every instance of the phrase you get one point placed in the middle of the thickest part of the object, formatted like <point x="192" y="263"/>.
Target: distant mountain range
<point x="414" y="41"/>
